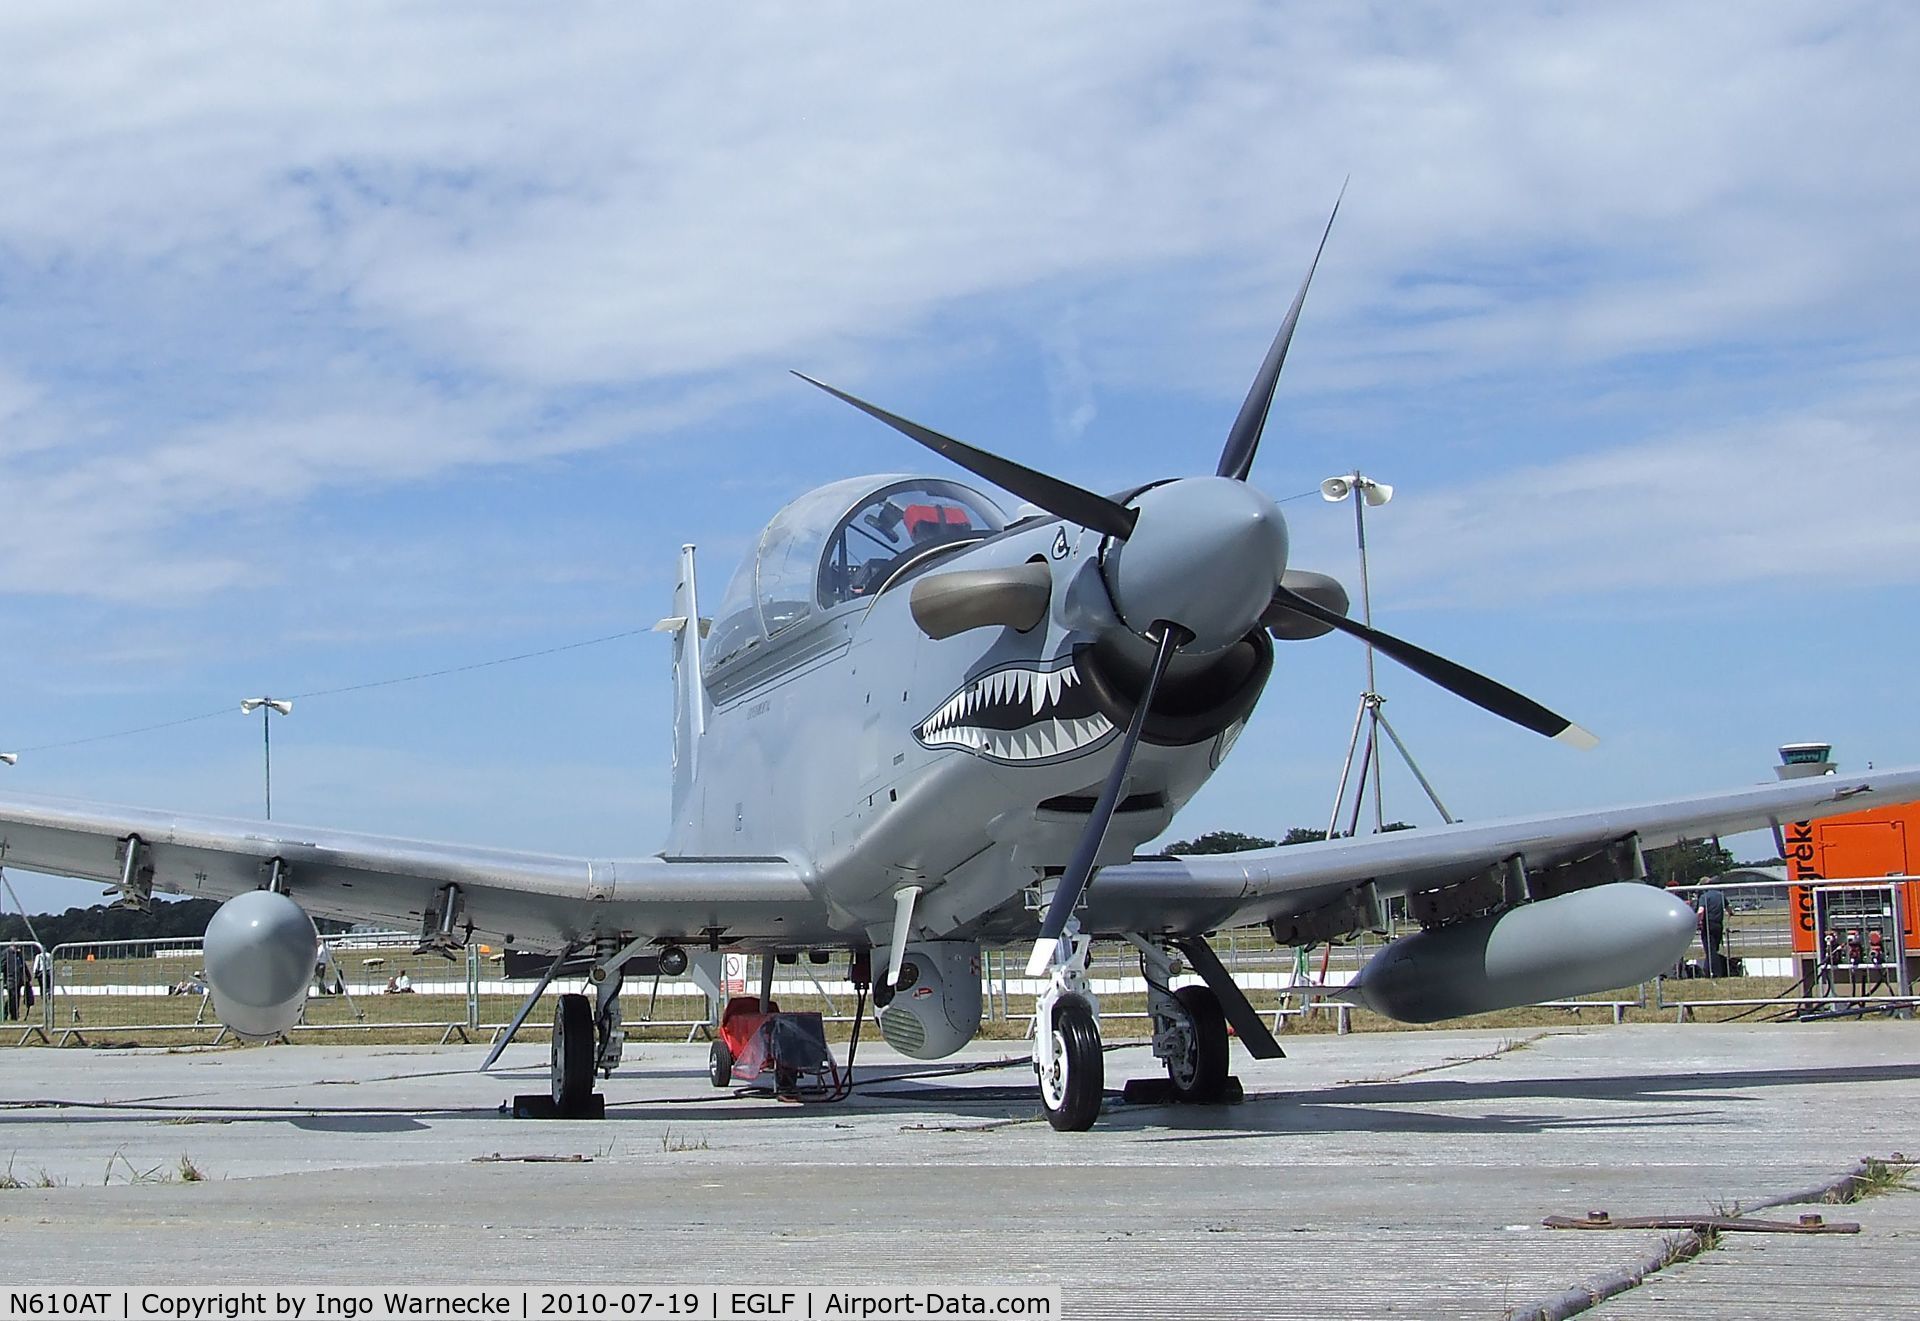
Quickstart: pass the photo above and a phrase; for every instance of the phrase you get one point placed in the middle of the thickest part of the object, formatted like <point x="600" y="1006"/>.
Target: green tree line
<point x="81" y="926"/>
<point x="1687" y="863"/>
<point x="103" y="922"/>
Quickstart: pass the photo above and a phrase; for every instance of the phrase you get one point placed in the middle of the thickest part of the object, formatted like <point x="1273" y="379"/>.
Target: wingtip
<point x="1576" y="737"/>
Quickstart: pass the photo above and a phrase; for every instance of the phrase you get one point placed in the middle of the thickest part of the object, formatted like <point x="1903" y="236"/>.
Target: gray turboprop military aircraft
<point x="914" y="725"/>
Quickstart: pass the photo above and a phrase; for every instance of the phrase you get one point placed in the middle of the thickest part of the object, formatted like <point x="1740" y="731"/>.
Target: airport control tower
<point x="1800" y="761"/>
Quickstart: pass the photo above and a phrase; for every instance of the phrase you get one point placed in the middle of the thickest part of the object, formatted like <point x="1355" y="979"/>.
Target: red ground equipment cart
<point x="755" y="1042"/>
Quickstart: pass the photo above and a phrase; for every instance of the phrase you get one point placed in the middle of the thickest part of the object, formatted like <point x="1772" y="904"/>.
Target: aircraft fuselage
<point x="881" y="757"/>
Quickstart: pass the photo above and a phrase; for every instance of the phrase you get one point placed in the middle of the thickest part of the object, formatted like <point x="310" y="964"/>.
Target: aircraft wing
<point x="533" y="900"/>
<point x="1193" y="895"/>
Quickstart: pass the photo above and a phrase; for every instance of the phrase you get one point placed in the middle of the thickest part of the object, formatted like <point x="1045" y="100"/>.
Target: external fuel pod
<point x="1576" y="944"/>
<point x="260" y="949"/>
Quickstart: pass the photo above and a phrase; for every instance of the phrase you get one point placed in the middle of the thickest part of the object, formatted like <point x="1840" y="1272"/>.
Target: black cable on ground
<point x="163" y="1106"/>
<point x="843" y="1082"/>
<point x="1851" y="1011"/>
<point x="1791" y="988"/>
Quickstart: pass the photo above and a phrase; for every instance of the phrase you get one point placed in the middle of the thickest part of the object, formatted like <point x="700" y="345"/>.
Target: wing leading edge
<point x="1190" y="896"/>
<point x="531" y="899"/>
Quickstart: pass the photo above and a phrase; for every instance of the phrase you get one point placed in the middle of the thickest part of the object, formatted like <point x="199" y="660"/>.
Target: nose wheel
<point x="1074" y="1079"/>
<point x="1066" y="1039"/>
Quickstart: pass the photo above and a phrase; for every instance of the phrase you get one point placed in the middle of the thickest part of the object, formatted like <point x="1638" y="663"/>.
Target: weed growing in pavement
<point x="1874" y="1177"/>
<point x="134" y="1174"/>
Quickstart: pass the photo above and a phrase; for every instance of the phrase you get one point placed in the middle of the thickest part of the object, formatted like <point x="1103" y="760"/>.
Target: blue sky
<point x="342" y="343"/>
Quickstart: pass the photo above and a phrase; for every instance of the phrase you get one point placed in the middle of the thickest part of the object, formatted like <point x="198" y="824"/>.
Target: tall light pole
<point x="1366" y="492"/>
<point x="267" y="706"/>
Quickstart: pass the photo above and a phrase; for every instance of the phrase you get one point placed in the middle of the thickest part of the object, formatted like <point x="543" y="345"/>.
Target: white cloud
<point x="650" y="210"/>
<point x="1820" y="496"/>
<point x="1069" y="382"/>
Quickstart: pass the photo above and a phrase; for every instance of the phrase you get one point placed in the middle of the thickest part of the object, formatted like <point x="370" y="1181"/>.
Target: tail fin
<point x="690" y="705"/>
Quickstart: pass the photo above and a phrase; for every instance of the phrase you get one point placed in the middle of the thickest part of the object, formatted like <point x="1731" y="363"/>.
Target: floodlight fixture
<point x="267" y="706"/>
<point x="1366" y="493"/>
<point x="1336" y="489"/>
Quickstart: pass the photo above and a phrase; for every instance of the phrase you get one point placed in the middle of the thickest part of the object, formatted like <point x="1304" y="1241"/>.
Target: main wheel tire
<point x="1071" y="1091"/>
<point x="719" y="1064"/>
<point x="1201" y="1077"/>
<point x="572" y="1054"/>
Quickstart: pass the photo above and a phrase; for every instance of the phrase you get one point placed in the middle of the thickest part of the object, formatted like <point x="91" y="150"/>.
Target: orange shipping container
<point x="1882" y="842"/>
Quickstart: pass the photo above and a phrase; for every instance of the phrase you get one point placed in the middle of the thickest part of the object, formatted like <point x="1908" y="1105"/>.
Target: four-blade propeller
<point x="1196" y="566"/>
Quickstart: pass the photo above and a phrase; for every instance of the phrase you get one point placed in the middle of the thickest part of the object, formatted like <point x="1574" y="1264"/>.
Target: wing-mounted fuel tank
<point x="934" y="1009"/>
<point x="260" y="949"/>
<point x="1587" y="941"/>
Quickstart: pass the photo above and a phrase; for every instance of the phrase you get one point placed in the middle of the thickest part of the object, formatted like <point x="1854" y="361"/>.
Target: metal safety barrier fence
<point x="1784" y="946"/>
<point x="24" y="982"/>
<point x="85" y="993"/>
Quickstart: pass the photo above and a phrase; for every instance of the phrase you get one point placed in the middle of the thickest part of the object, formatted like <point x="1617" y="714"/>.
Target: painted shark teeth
<point x="1018" y="714"/>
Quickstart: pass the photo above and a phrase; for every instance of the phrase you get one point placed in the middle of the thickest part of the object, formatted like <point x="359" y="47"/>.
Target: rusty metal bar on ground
<point x="1810" y="1223"/>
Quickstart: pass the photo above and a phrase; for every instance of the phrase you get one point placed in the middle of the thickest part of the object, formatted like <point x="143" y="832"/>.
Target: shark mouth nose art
<point x="1019" y="714"/>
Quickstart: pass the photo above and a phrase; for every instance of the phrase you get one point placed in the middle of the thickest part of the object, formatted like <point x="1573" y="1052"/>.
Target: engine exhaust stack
<point x="1579" y="943"/>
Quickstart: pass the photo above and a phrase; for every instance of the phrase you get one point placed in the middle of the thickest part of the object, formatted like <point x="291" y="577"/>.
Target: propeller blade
<point x="1074" y="880"/>
<point x="1288" y="627"/>
<point x="1243" y="441"/>
<point x="1061" y="499"/>
<point x="1457" y="679"/>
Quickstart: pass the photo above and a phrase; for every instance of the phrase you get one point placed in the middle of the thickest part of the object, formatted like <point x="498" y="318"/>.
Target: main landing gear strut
<point x="1189" y="1030"/>
<point x="588" y="1035"/>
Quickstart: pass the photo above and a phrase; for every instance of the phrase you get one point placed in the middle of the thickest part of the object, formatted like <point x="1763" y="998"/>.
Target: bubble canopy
<point x="839" y="543"/>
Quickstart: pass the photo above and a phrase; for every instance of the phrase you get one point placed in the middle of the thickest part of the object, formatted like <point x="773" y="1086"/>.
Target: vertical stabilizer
<point x="689" y="685"/>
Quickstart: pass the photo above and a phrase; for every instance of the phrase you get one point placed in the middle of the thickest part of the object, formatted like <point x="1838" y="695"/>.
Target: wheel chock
<point x="1159" y="1091"/>
<point x="539" y="1105"/>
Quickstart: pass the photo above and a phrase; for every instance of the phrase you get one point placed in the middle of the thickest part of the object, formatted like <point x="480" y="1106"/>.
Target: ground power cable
<point x="161" y="1105"/>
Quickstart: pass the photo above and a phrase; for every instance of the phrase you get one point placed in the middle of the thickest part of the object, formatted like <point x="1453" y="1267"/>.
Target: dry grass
<point x="9" y="1180"/>
<point x="1876" y="1177"/>
<point x="153" y="1018"/>
<point x="163" y="1020"/>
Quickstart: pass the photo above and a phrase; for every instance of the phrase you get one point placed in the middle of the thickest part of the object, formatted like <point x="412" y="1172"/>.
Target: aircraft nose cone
<point x="1206" y="554"/>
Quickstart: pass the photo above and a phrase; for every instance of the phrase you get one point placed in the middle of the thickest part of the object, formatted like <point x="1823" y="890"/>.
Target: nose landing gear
<point x="1067" y="1054"/>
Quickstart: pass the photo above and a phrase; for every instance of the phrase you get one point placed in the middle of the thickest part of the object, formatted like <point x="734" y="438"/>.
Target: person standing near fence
<point x="1713" y="930"/>
<point x="14" y="966"/>
<point x="43" y="972"/>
